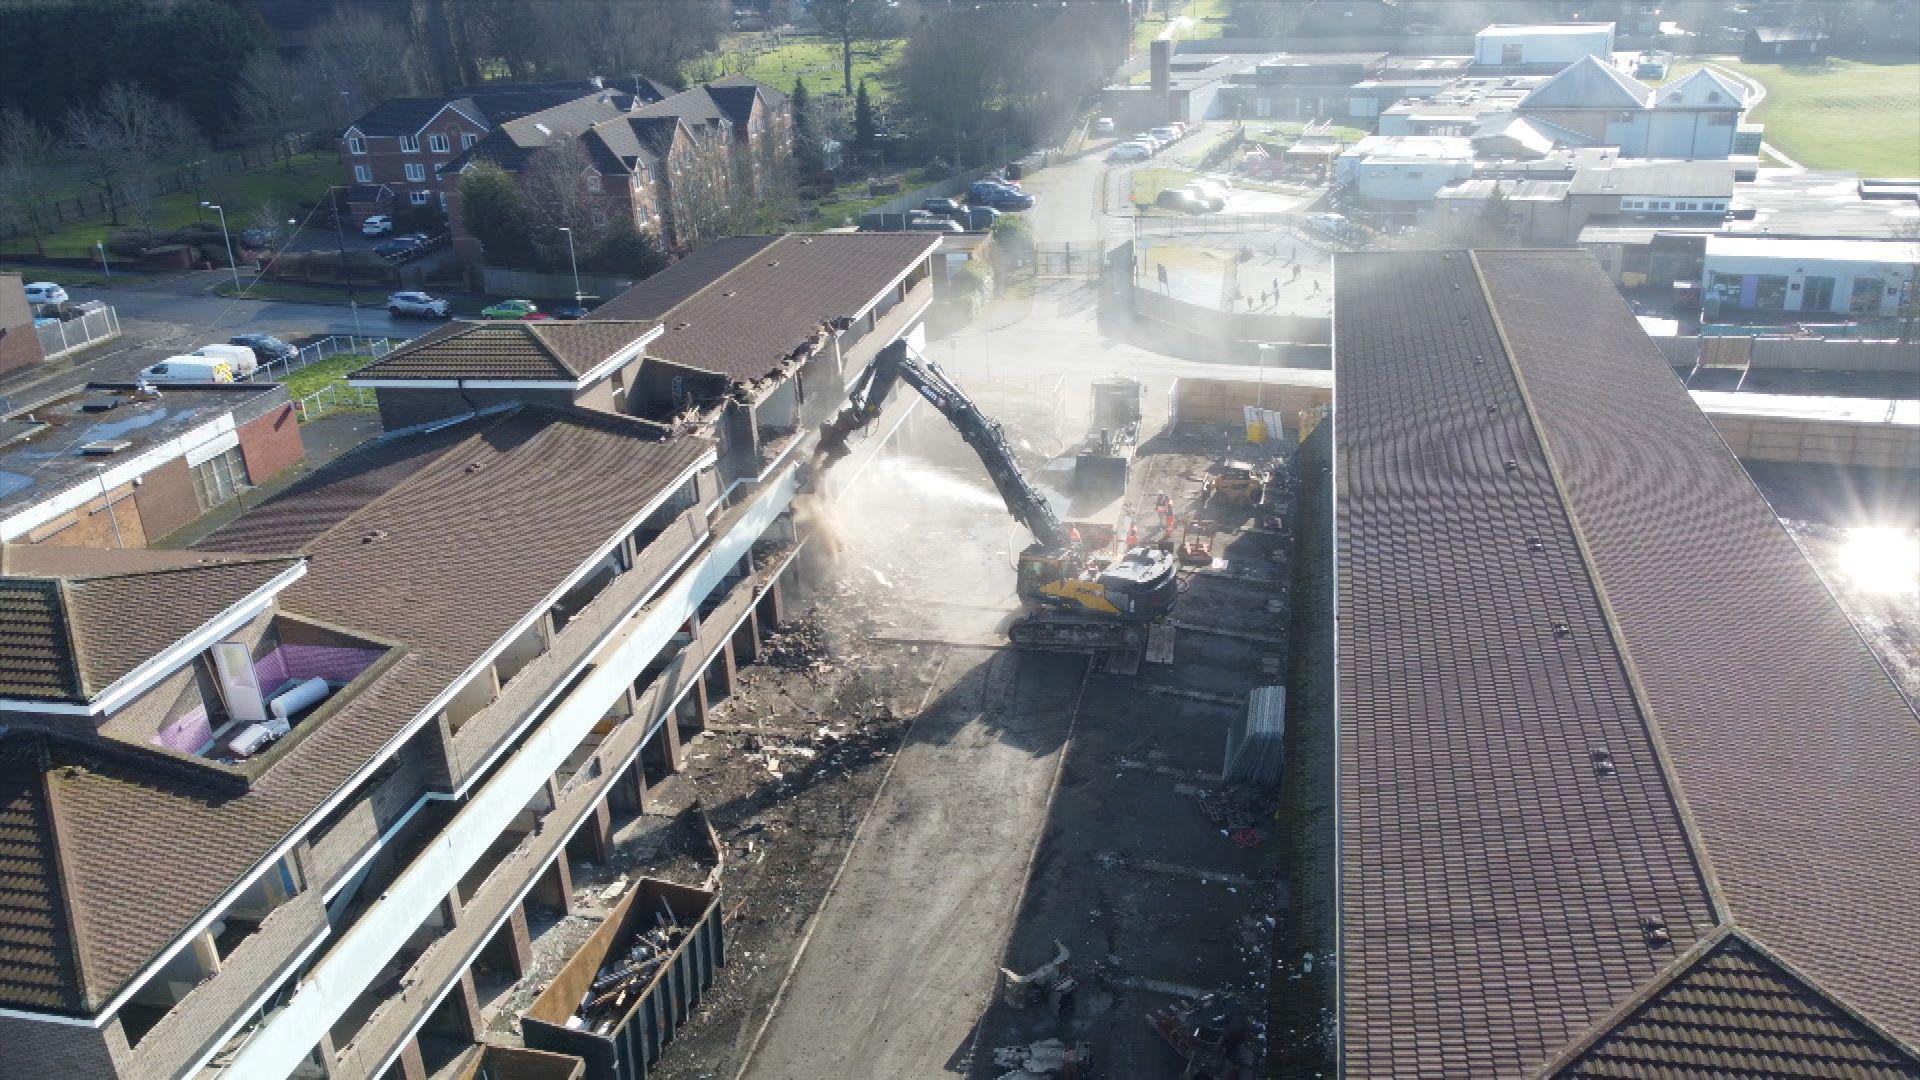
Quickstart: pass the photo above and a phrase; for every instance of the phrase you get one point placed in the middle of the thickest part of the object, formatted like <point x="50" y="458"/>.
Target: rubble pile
<point x="799" y="646"/>
<point x="624" y="975"/>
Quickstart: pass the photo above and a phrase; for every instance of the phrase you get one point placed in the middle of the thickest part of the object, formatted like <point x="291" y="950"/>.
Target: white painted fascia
<point x="895" y="283"/>
<point x="518" y="384"/>
<point x="167" y="661"/>
<point x="458" y="112"/>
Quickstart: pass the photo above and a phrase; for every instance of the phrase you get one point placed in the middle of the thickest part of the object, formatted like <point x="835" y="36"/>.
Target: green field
<point x="812" y="59"/>
<point x="1837" y="114"/>
<point x="1205" y="19"/>
<point x="315" y="377"/>
<point x="273" y="187"/>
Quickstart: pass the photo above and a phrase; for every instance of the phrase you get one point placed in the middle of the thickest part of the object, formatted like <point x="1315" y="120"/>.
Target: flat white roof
<point x="1546" y="29"/>
<point x="1903" y="412"/>
<point x="1438" y="147"/>
<point x="1781" y="247"/>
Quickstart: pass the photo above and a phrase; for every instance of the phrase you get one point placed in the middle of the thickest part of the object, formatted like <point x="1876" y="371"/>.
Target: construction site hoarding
<point x="622" y="997"/>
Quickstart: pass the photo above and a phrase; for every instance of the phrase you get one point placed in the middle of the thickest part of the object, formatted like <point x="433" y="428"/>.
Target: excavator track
<point x="1047" y="631"/>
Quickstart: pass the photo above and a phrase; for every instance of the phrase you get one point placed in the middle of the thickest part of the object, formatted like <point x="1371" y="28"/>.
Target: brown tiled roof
<point x="1732" y="1012"/>
<point x="1586" y="681"/>
<point x="442" y="551"/>
<point x="739" y="307"/>
<point x="39" y="966"/>
<point x="72" y="624"/>
<point x="540" y="350"/>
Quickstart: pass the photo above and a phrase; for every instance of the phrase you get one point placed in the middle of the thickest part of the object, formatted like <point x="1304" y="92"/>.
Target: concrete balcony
<point x="481" y="915"/>
<point x="344" y="975"/>
<point x="479" y="738"/>
<point x="198" y="1024"/>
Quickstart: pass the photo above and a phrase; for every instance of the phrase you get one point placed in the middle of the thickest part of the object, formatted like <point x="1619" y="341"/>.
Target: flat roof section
<point x="1895" y="253"/>
<point x="1604" y="738"/>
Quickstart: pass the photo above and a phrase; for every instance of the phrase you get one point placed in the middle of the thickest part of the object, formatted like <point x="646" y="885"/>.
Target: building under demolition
<point x="267" y="804"/>
<point x="1621" y="789"/>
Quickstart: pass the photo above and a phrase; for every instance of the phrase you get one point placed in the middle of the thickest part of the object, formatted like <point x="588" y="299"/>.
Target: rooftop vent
<point x="1512" y="465"/>
<point x="104" y="447"/>
<point x="1654" y="929"/>
<point x="1493" y="407"/>
<point x="377" y="534"/>
<point x="100" y="405"/>
<point x="1602" y="762"/>
<point x="474" y="467"/>
<point x="1562" y="630"/>
<point x="1534" y="543"/>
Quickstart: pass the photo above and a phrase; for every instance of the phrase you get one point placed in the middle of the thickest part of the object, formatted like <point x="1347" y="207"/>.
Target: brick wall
<point x="389" y="163"/>
<point x="165" y="499"/>
<point x="19" y="345"/>
<point x="270" y="443"/>
<point x="107" y="521"/>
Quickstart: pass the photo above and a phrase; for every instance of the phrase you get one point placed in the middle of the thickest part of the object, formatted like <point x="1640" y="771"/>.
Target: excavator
<point x="1073" y="600"/>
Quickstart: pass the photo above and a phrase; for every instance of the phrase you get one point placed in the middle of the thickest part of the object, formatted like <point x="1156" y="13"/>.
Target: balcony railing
<point x="480" y="736"/>
<point x="481" y="914"/>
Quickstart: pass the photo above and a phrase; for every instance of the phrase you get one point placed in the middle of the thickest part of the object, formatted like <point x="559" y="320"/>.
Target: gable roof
<point x="737" y="94"/>
<point x="696" y="107"/>
<point x="1732" y="1011"/>
<point x="542" y="351"/>
<point x="1704" y="89"/>
<point x="739" y="307"/>
<point x="1575" y="741"/>
<point x="71" y="625"/>
<point x="407" y="115"/>
<point x="39" y="958"/>
<point x="1588" y="83"/>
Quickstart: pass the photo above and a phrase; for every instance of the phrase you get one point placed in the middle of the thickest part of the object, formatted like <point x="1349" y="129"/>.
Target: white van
<point x="189" y="369"/>
<point x="238" y="357"/>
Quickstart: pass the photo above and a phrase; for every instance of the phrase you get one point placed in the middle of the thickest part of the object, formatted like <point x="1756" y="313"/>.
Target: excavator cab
<point x="1142" y="584"/>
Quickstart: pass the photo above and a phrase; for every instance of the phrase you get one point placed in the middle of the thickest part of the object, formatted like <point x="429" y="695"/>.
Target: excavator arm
<point x="898" y="363"/>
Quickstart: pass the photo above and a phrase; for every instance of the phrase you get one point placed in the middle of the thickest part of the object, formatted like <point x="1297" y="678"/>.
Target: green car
<point x="511" y="309"/>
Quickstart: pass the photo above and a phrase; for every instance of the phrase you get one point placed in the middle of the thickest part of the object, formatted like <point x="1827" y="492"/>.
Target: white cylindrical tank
<point x="307" y="693"/>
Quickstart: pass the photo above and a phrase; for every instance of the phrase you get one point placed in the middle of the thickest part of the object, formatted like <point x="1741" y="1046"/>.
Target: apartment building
<point x="120" y="466"/>
<point x="669" y="165"/>
<point x="392" y="154"/>
<point x="271" y="805"/>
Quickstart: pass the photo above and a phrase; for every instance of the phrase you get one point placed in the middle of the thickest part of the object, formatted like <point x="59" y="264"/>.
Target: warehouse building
<point x="272" y="804"/>
<point x="1621" y="789"/>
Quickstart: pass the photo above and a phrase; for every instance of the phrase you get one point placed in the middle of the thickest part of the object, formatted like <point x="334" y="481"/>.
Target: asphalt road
<point x="179" y="313"/>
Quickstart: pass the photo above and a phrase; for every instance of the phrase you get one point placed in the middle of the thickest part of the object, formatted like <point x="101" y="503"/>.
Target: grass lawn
<point x="812" y="59"/>
<point x="1837" y="114"/>
<point x="316" y="377"/>
<point x="274" y="188"/>
<point x="1288" y="132"/>
<point x="1206" y="19"/>
<point x="1149" y="181"/>
<point x="849" y="201"/>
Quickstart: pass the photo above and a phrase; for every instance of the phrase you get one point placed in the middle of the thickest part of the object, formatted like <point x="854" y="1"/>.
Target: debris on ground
<point x="1210" y="1034"/>
<point x="1048" y="1057"/>
<point x="1049" y="983"/>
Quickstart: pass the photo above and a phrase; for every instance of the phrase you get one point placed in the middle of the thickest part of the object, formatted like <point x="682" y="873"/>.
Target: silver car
<point x="418" y="304"/>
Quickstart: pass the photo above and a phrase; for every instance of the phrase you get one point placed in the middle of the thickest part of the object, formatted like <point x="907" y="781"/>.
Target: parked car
<point x="984" y="191"/>
<point x="569" y="312"/>
<point x="393" y="246"/>
<point x="945" y="208"/>
<point x="377" y="225"/>
<point x="45" y="292"/>
<point x="1180" y="199"/>
<point x="512" y="309"/>
<point x="265" y="346"/>
<point x="189" y="369"/>
<point x="417" y="304"/>
<point x="1130" y="151"/>
<point x="1332" y="224"/>
<point x="1010" y="200"/>
<point x="1165" y="134"/>
<point x="1210" y="193"/>
<point x="1180" y="127"/>
<point x="978" y="218"/>
<point x="1103" y="125"/>
<point x="935" y="224"/>
<point x="258" y="238"/>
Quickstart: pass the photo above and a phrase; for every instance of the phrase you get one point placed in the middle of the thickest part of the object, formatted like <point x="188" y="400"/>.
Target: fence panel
<point x="59" y="338"/>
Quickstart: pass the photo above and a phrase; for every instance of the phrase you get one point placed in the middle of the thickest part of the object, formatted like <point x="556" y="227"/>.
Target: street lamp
<point x="579" y="298"/>
<point x="232" y="263"/>
<point x="340" y="234"/>
<point x="104" y="268"/>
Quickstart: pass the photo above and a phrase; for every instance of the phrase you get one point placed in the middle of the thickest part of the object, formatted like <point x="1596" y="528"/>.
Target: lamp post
<point x="104" y="268"/>
<point x="232" y="263"/>
<point x="340" y="234"/>
<point x="579" y="298"/>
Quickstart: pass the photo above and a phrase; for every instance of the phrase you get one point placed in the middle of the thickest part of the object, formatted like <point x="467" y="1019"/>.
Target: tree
<point x="806" y="128"/>
<point x="557" y="181"/>
<point x="626" y="250"/>
<point x="121" y="138"/>
<point x="613" y="38"/>
<point x="863" y="117"/>
<point x="27" y="158"/>
<point x="851" y="22"/>
<point x="497" y="215"/>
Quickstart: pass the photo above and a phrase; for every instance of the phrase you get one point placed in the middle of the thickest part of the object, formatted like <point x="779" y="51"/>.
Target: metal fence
<point x="332" y="398"/>
<point x="59" y="337"/>
<point x="325" y="348"/>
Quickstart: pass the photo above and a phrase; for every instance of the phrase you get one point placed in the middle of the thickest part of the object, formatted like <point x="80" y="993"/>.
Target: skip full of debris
<point x="1048" y="1057"/>
<point x="623" y="977"/>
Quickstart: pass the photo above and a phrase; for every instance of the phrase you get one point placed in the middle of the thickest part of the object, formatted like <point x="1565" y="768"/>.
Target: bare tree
<point x="851" y="23"/>
<point x="559" y="181"/>
<point x="122" y="138"/>
<point x="370" y="58"/>
<point x="27" y="157"/>
<point x="615" y="38"/>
